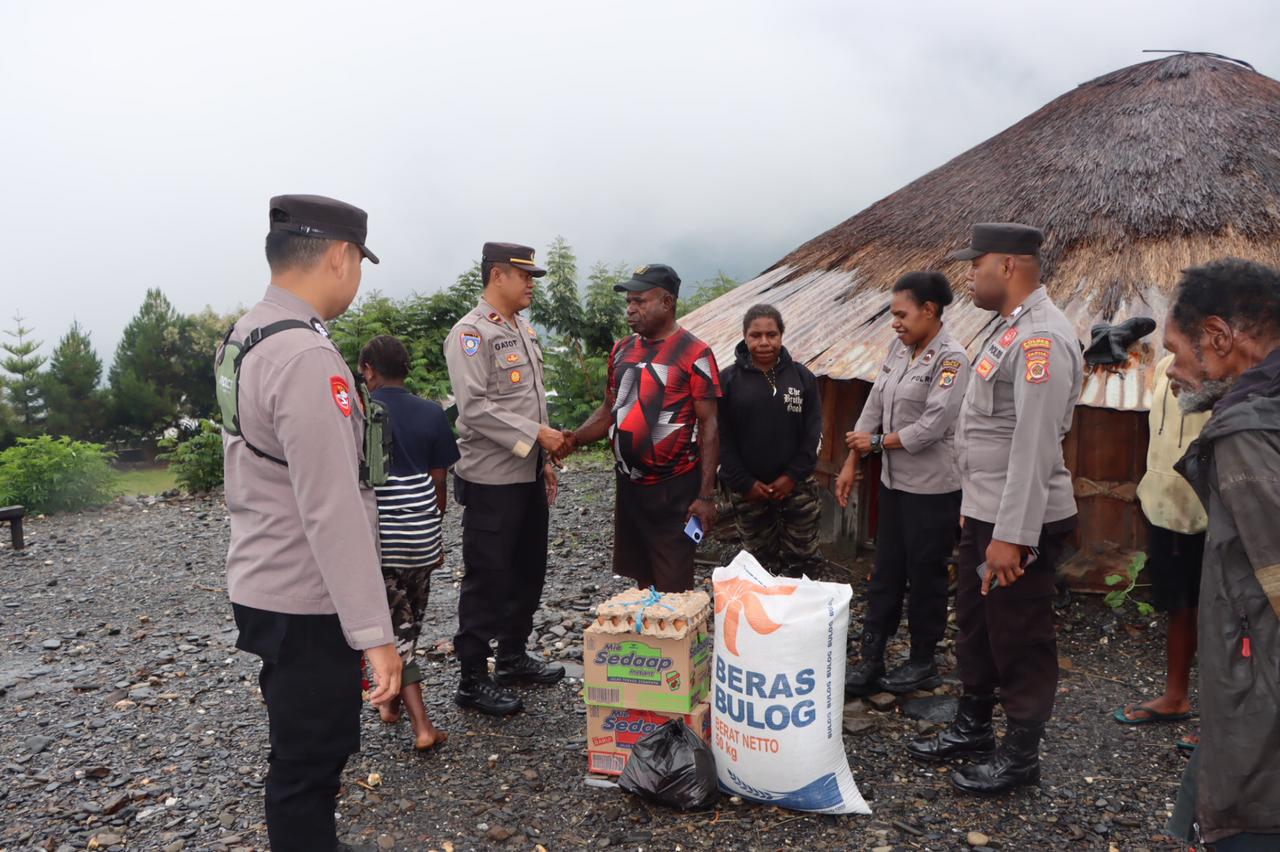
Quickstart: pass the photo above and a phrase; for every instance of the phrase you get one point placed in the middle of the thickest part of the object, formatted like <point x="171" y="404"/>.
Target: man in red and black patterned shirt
<point x="660" y="414"/>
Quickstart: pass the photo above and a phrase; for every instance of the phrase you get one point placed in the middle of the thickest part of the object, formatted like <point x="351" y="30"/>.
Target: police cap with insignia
<point x="521" y="257"/>
<point x="649" y="276"/>
<point x="322" y="218"/>
<point x="1000" y="238"/>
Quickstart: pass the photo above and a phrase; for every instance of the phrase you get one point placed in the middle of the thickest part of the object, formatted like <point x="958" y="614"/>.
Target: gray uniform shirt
<point x="1016" y="412"/>
<point x="920" y="402"/>
<point x="303" y="537"/>
<point x="496" y="372"/>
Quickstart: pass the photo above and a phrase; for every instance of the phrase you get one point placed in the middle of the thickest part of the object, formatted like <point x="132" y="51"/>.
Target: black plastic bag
<point x="672" y="766"/>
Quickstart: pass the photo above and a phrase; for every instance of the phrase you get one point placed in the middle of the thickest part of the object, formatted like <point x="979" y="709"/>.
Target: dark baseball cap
<point x="322" y="218"/>
<point x="1000" y="238"/>
<point x="649" y="276"/>
<point x="521" y="257"/>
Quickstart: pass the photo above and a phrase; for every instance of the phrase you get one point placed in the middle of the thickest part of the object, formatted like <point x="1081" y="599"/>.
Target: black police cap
<point x="322" y="218"/>
<point x="649" y="276"/>
<point x="521" y="257"/>
<point x="1000" y="238"/>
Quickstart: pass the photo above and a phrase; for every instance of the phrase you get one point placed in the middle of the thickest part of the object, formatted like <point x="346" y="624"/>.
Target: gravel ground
<point x="129" y="721"/>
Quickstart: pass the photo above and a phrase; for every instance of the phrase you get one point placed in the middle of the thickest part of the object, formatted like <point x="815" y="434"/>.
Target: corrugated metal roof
<point x="839" y="326"/>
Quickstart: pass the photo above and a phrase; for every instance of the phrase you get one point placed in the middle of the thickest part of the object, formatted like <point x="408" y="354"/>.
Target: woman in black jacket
<point x="770" y="428"/>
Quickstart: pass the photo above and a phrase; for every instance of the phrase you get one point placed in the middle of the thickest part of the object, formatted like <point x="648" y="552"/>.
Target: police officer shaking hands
<point x="504" y="480"/>
<point x="302" y="567"/>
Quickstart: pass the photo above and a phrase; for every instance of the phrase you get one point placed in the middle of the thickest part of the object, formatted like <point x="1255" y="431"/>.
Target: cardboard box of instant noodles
<point x="649" y="650"/>
<point x="612" y="732"/>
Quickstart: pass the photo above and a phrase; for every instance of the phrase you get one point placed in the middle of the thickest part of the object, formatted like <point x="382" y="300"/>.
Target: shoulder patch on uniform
<point x="951" y="364"/>
<point x="341" y="394"/>
<point x="470" y="343"/>
<point x="1037" y="343"/>
<point x="947" y="379"/>
<point x="1037" y="364"/>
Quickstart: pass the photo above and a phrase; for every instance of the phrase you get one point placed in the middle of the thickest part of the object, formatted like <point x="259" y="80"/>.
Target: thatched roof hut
<point x="1133" y="176"/>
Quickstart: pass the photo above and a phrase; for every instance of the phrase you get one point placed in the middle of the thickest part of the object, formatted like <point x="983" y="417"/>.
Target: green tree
<point x="75" y="403"/>
<point x="584" y="328"/>
<point x="604" y="310"/>
<point x="146" y="377"/>
<point x="705" y="292"/>
<point x="422" y="322"/>
<point x="8" y="426"/>
<point x="558" y="305"/>
<point x="198" y="336"/>
<point x="23" y="364"/>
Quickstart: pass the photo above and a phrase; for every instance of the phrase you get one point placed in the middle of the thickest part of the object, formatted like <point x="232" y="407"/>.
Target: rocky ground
<point x="129" y="721"/>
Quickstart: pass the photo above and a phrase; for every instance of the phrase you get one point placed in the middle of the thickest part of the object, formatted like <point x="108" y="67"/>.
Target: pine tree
<point x="23" y="364"/>
<point x="198" y="338"/>
<point x="604" y="310"/>
<point x="146" y="375"/>
<point x="556" y="303"/>
<point x="75" y="404"/>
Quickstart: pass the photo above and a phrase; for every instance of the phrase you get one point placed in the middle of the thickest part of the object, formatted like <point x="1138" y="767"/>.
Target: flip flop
<point x="1152" y="716"/>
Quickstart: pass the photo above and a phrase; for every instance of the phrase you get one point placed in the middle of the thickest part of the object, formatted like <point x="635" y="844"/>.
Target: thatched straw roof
<point x="1133" y="176"/>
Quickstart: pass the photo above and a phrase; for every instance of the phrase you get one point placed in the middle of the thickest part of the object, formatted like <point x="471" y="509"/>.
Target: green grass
<point x="148" y="480"/>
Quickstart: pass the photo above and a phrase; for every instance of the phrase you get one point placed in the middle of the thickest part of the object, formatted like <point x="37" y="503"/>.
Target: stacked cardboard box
<point x="648" y="660"/>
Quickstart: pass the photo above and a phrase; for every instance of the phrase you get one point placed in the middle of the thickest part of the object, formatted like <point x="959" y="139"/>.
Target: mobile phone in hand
<point x="984" y="569"/>
<point x="693" y="529"/>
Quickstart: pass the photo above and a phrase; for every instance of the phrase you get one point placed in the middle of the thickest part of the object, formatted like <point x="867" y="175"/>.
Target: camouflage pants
<point x="782" y="534"/>
<point x="407" y="592"/>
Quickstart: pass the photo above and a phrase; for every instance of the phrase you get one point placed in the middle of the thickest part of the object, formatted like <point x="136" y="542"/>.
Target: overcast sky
<point x="140" y="142"/>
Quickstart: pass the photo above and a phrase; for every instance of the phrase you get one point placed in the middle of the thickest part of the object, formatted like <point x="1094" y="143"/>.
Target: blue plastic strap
<point x="653" y="598"/>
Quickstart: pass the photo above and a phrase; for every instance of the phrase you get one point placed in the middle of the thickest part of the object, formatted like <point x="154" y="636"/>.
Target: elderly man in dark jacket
<point x="1224" y="331"/>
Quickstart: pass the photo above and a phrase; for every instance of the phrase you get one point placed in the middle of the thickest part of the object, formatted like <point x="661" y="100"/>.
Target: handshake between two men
<point x="561" y="443"/>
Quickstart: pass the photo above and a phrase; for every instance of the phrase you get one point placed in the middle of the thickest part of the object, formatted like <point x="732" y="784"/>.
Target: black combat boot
<point x="521" y="668"/>
<point x="477" y="691"/>
<point x="918" y="672"/>
<point x="970" y="732"/>
<point x="1016" y="762"/>
<point x="864" y="678"/>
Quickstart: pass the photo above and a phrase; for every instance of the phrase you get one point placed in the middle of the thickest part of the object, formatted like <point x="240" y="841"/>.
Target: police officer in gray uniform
<point x="910" y="419"/>
<point x="302" y="568"/>
<point x="1018" y="509"/>
<point x="504" y="481"/>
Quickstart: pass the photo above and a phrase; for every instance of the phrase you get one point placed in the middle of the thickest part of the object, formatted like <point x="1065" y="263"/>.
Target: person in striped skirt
<point x="411" y="507"/>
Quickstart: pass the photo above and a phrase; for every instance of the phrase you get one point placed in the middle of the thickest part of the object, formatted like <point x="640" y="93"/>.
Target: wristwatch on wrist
<point x="877" y="443"/>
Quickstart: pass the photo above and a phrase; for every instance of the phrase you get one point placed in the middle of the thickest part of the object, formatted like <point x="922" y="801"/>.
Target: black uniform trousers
<point x="915" y="535"/>
<point x="504" y="553"/>
<point x="1007" y="642"/>
<point x="311" y="684"/>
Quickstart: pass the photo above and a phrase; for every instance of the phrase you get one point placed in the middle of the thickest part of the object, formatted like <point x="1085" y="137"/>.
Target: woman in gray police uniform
<point x="910" y="419"/>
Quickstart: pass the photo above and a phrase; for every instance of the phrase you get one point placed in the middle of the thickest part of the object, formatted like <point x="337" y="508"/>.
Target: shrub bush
<point x="48" y="474"/>
<point x="195" y="458"/>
